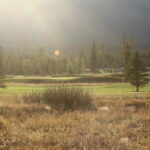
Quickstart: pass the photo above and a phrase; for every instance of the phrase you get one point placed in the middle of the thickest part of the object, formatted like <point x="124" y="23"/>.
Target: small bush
<point x="34" y="97"/>
<point x="61" y="98"/>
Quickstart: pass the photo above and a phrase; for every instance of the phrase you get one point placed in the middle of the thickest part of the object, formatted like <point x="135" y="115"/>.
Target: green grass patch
<point x="98" y="84"/>
<point x="109" y="89"/>
<point x="98" y="78"/>
<point x="19" y="90"/>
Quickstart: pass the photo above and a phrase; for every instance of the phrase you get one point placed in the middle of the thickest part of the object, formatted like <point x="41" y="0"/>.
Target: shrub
<point x="65" y="98"/>
<point x="34" y="97"/>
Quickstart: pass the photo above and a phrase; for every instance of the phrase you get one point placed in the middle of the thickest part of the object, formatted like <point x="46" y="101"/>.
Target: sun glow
<point x="57" y="52"/>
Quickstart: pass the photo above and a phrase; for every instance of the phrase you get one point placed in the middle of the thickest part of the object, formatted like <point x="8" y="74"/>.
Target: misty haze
<point x="55" y="23"/>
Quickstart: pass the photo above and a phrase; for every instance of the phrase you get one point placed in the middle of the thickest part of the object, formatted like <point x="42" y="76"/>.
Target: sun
<point x="57" y="52"/>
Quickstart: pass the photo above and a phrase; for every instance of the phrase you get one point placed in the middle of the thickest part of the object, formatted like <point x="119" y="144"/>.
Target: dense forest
<point x="95" y="59"/>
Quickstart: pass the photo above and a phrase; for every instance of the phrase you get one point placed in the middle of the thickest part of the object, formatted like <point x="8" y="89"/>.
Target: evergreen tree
<point x="127" y="46"/>
<point x="80" y="62"/>
<point x="127" y="58"/>
<point x="137" y="71"/>
<point x="1" y="70"/>
<point x="93" y="58"/>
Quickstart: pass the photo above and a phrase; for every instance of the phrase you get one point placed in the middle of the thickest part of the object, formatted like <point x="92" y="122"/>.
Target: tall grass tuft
<point x="61" y="98"/>
<point x="3" y="123"/>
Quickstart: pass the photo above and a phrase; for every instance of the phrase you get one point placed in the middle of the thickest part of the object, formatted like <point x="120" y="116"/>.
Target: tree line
<point x="95" y="60"/>
<point x="41" y="62"/>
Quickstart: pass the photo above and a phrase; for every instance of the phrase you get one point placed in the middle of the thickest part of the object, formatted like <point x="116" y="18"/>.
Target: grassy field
<point x="97" y="84"/>
<point x="121" y="120"/>
<point x="86" y="78"/>
<point x="95" y="89"/>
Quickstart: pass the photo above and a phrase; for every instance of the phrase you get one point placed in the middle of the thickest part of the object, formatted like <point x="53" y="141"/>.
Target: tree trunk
<point x="137" y="88"/>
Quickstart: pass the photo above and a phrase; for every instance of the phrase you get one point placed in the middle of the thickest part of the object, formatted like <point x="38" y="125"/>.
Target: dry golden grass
<point x="119" y="123"/>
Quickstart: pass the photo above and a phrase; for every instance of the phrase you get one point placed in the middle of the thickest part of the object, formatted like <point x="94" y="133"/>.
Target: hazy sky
<point x="66" y="22"/>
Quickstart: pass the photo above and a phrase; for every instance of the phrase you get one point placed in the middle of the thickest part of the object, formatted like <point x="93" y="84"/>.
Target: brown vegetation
<point x="61" y="98"/>
<point x="124" y="126"/>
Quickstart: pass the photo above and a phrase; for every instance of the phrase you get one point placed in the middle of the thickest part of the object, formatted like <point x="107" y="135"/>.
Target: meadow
<point x="121" y="120"/>
<point x="96" y="84"/>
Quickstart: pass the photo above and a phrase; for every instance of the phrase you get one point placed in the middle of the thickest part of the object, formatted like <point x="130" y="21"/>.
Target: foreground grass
<point x="124" y="125"/>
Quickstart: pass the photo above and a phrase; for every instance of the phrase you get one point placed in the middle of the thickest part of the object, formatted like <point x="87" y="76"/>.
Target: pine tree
<point x="127" y="46"/>
<point x="137" y="71"/>
<point x="127" y="58"/>
<point x="80" y="62"/>
<point x="1" y="70"/>
<point x="93" y="58"/>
